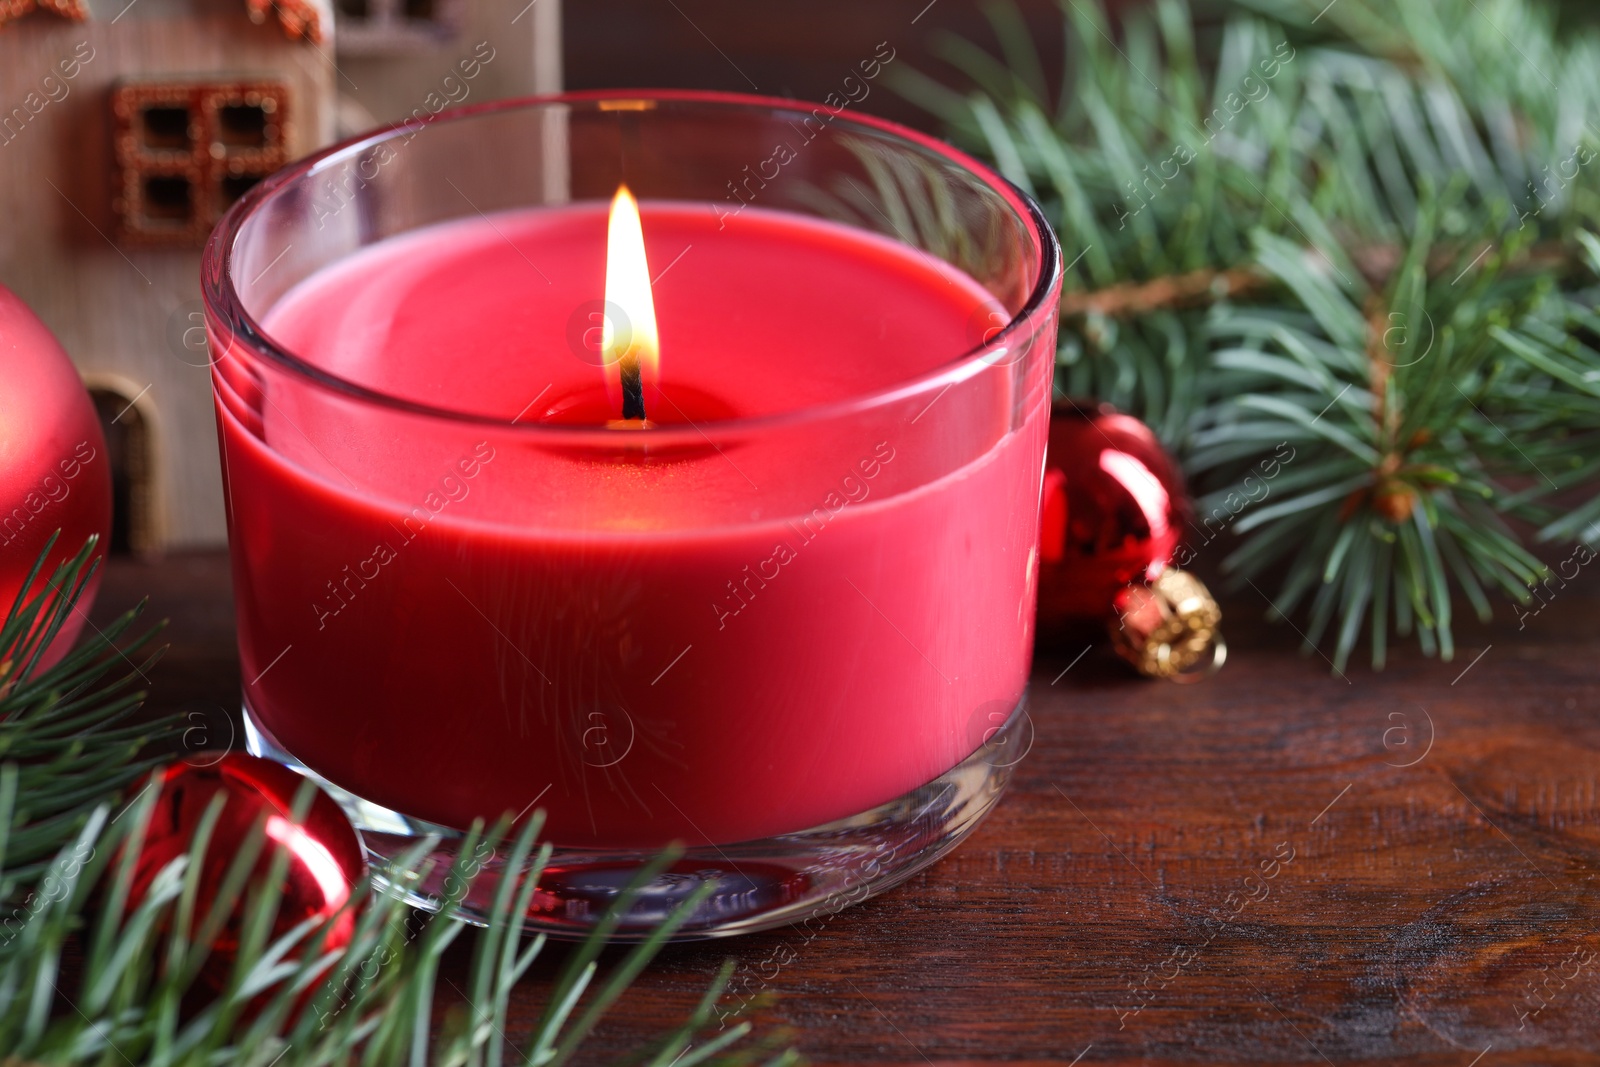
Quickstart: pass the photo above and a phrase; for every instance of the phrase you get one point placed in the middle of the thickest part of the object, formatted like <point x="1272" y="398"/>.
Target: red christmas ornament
<point x="325" y="859"/>
<point x="54" y="472"/>
<point x="1115" y="512"/>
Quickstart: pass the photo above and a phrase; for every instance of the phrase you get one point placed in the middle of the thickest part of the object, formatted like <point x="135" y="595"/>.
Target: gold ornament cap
<point x="1169" y="627"/>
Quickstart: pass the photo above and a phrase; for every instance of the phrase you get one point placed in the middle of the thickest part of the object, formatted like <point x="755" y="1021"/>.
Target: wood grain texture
<point x="1092" y="913"/>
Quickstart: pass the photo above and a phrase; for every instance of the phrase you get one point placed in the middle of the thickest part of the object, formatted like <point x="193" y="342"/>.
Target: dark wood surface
<point x="1439" y="872"/>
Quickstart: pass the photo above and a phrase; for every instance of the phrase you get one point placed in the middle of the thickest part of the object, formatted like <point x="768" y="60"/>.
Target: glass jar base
<point x="760" y="884"/>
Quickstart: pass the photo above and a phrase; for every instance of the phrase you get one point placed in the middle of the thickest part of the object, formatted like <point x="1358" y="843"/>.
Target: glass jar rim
<point x="223" y="303"/>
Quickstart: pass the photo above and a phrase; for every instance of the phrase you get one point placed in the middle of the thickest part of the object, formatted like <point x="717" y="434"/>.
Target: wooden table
<point x="1277" y="866"/>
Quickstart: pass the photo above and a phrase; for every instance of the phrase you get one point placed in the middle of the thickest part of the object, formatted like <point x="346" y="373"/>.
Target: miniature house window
<point x="186" y="150"/>
<point x="128" y="448"/>
<point x="396" y="27"/>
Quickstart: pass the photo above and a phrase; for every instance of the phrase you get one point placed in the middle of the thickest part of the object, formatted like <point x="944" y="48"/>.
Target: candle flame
<point x="629" y="344"/>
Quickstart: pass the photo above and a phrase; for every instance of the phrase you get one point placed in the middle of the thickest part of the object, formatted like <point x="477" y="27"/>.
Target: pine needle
<point x="1361" y="229"/>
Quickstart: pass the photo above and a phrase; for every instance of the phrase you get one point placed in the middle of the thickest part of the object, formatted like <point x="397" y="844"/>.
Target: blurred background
<point x="789" y="49"/>
<point x="804" y="50"/>
<point x="127" y="127"/>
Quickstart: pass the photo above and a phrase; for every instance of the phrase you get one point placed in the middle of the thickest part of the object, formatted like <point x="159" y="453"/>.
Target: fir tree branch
<point x="1164" y="293"/>
<point x="60" y="725"/>
<point x="1357" y="234"/>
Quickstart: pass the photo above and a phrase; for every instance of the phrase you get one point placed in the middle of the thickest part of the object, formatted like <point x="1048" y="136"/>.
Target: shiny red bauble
<point x="1115" y="511"/>
<point x="54" y="471"/>
<point x="324" y="857"/>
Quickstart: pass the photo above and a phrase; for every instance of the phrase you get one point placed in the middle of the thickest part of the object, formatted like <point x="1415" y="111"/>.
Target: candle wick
<point x="632" y="388"/>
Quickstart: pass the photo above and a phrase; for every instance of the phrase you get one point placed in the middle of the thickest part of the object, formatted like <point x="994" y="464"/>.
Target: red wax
<point x="732" y="637"/>
<point x="53" y="469"/>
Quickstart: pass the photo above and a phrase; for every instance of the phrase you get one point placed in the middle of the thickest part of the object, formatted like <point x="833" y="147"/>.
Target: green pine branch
<point x="1357" y="234"/>
<point x="62" y="729"/>
<point x="139" y="990"/>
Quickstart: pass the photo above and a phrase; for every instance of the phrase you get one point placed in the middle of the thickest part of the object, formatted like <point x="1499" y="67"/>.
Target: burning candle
<point x="741" y="554"/>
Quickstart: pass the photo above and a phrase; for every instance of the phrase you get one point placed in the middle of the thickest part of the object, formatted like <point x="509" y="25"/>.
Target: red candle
<point x="707" y="630"/>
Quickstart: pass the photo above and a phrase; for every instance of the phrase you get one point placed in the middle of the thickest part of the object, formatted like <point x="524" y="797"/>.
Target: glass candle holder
<point x="786" y="623"/>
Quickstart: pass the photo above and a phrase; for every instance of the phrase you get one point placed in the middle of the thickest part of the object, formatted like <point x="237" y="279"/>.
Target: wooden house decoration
<point x="127" y="127"/>
<point x="184" y="151"/>
<point x="125" y="130"/>
<point x="401" y="58"/>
